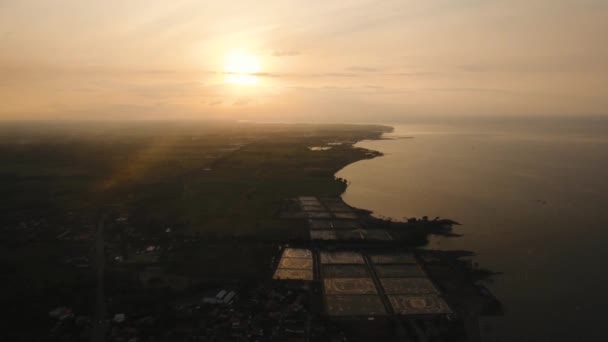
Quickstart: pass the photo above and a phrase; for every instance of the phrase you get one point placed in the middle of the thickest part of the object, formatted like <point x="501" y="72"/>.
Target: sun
<point x="241" y="68"/>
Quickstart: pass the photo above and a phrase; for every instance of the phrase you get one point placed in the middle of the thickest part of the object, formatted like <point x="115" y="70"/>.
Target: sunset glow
<point x="362" y="170"/>
<point x="290" y="60"/>
<point x="241" y="67"/>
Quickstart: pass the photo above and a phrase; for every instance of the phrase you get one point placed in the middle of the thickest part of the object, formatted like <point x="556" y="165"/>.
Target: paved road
<point x="98" y="333"/>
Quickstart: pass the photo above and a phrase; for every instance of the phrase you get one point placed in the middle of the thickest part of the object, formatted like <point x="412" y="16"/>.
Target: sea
<point x="531" y="195"/>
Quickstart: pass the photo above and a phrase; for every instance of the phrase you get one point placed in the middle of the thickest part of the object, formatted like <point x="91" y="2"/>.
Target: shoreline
<point x="376" y="154"/>
<point x="414" y="232"/>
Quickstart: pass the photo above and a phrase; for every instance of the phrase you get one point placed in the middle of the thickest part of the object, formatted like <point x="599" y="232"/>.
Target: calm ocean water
<point x="532" y="197"/>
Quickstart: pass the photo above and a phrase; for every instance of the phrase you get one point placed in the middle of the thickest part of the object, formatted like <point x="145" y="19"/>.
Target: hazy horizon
<point x="303" y="170"/>
<point x="364" y="61"/>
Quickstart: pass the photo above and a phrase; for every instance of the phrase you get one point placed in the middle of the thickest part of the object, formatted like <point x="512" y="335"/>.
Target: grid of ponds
<point x="348" y="285"/>
<point x="295" y="264"/>
<point x="356" y="283"/>
<point x="332" y="219"/>
<point x="406" y="287"/>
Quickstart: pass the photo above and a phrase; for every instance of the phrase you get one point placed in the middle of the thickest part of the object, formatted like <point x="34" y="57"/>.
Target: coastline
<point x="372" y="153"/>
<point x="413" y="232"/>
<point x="458" y="280"/>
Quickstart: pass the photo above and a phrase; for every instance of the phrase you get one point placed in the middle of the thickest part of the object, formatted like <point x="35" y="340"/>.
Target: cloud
<point x="300" y="75"/>
<point x="284" y="53"/>
<point x="476" y="90"/>
<point x="242" y="102"/>
<point x="387" y="72"/>
<point x="318" y="75"/>
<point x="363" y="69"/>
<point x="564" y="63"/>
<point x="215" y="103"/>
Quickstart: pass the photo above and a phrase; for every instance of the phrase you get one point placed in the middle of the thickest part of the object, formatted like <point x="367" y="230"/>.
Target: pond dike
<point x="364" y="271"/>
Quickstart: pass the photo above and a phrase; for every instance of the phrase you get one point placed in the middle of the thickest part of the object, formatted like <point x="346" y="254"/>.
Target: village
<point x="353" y="277"/>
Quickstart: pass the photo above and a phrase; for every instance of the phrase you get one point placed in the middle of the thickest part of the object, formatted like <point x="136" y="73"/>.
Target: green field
<point x="226" y="178"/>
<point x="215" y="181"/>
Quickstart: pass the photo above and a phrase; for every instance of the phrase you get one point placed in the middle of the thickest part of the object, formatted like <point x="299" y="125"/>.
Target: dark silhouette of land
<point x="186" y="209"/>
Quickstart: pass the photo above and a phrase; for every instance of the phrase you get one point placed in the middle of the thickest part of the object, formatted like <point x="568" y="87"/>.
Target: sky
<point x="327" y="60"/>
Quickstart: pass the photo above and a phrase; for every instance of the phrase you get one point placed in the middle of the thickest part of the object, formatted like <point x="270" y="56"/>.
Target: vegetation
<point x="218" y="186"/>
<point x="223" y="178"/>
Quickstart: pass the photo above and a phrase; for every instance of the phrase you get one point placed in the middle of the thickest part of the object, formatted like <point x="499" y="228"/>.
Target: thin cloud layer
<point x="340" y="60"/>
